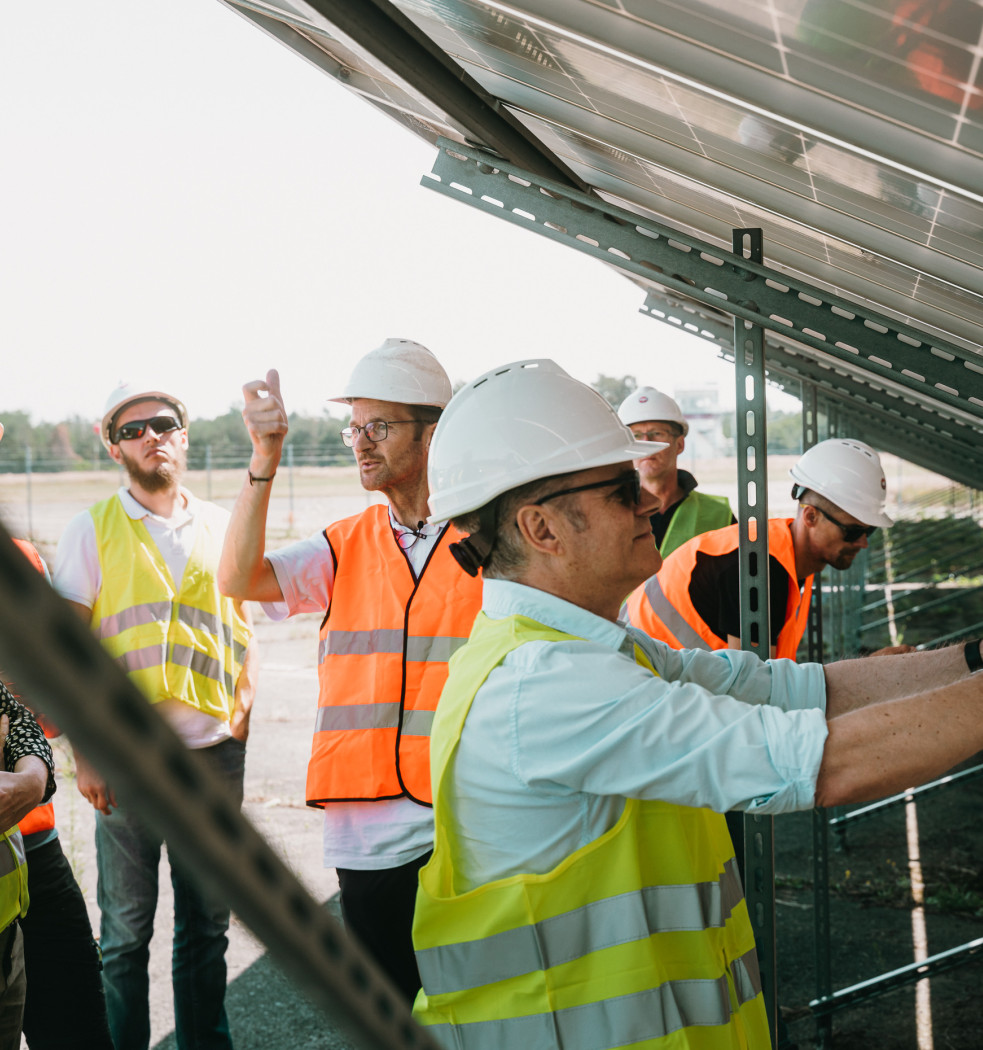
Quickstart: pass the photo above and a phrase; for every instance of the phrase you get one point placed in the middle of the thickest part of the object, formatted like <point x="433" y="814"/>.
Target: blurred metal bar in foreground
<point x="63" y="670"/>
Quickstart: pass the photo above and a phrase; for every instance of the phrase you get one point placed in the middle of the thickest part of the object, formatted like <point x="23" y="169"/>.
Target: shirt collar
<point x="424" y="528"/>
<point x="501" y="598"/>
<point x="137" y="511"/>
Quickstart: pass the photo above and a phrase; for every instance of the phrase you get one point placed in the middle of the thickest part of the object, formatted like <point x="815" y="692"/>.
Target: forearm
<point x="25" y="739"/>
<point x="886" y="747"/>
<point x="29" y="788"/>
<point x="854" y="684"/>
<point x="243" y="571"/>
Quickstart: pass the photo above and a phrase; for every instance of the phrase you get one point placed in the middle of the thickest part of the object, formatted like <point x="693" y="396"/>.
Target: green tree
<point x="614" y="389"/>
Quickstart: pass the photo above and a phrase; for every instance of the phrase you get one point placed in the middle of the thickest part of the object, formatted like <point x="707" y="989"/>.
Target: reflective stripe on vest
<point x="671" y="617"/>
<point x="639" y="938"/>
<point x="663" y="609"/>
<point x="14" y="897"/>
<point x="382" y="661"/>
<point x="640" y="1019"/>
<point x="186" y="644"/>
<point x="364" y="643"/>
<point x="591" y="928"/>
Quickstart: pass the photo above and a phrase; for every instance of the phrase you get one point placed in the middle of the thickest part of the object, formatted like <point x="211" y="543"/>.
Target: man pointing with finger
<point x="395" y="607"/>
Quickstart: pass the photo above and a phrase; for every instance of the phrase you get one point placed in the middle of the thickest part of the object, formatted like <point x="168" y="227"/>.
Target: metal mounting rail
<point x="888" y="982"/>
<point x="67" y="674"/>
<point x="707" y="273"/>
<point x="865" y="812"/>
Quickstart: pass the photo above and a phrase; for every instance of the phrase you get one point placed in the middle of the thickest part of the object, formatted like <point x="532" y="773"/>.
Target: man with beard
<point x="693" y="602"/>
<point x="140" y="568"/>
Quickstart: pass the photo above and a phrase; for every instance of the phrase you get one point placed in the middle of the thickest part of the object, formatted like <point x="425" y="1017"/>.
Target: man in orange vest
<point x="395" y="606"/>
<point x="694" y="599"/>
<point x="682" y="511"/>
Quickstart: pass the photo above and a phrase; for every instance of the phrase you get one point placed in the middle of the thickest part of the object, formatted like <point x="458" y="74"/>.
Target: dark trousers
<point x="66" y="1006"/>
<point x="377" y="907"/>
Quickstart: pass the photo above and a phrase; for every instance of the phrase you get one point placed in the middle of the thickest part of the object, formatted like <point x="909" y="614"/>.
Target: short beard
<point x="163" y="476"/>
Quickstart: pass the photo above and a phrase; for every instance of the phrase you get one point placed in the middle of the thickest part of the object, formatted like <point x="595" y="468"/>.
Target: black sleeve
<point x="715" y="593"/>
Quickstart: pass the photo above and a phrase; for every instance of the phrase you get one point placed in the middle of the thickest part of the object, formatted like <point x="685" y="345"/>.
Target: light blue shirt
<point x="562" y="732"/>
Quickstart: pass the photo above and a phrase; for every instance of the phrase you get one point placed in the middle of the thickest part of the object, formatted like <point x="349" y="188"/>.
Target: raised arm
<point x="243" y="570"/>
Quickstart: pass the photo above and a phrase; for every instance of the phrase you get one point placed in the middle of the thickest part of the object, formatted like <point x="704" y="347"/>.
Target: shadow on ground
<point x="265" y="1010"/>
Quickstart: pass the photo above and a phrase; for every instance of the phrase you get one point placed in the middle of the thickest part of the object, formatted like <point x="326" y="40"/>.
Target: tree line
<point x="73" y="444"/>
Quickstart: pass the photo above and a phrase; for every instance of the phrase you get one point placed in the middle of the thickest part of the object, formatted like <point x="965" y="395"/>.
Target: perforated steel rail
<point x="913" y="359"/>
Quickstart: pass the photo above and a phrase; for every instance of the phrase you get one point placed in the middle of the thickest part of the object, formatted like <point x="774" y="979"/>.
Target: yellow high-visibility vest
<point x="184" y="642"/>
<point x="14" y="897"/>
<point x="641" y="938"/>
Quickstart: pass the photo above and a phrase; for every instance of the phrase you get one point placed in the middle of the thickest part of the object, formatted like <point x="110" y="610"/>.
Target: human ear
<point x="536" y="526"/>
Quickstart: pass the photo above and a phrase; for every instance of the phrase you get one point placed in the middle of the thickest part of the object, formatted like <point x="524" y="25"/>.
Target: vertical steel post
<point x="820" y="818"/>
<point x="752" y="479"/>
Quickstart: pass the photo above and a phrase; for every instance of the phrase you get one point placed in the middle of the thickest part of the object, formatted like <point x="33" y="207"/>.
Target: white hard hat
<point x="129" y="393"/>
<point x="515" y="424"/>
<point x="848" y="473"/>
<point x="647" y="403"/>
<point x="402" y="371"/>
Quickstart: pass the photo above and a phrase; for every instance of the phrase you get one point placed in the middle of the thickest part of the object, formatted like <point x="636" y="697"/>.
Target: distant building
<point x="701" y="407"/>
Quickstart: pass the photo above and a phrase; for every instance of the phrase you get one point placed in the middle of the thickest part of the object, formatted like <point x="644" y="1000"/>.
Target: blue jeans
<point x="127" y="859"/>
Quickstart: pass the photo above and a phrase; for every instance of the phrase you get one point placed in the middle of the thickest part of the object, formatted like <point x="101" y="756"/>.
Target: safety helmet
<point x="647" y="403"/>
<point x="129" y="393"/>
<point x="848" y="473"/>
<point x="402" y="371"/>
<point x="515" y="424"/>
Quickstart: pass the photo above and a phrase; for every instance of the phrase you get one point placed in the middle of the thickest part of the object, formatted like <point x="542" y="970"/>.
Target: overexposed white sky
<point x="185" y="200"/>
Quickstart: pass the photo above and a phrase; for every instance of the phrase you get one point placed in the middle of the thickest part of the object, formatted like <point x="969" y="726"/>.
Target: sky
<point x="186" y="202"/>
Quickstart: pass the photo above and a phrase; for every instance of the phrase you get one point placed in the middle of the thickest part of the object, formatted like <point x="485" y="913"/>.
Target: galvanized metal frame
<point x="658" y="254"/>
<point x="941" y="439"/>
<point x="752" y="500"/>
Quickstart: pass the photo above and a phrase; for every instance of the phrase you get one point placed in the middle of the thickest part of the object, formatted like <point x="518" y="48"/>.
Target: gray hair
<point x="509" y="553"/>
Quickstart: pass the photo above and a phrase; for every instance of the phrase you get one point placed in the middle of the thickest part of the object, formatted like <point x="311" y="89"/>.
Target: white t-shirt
<point x="360" y="835"/>
<point x="78" y="577"/>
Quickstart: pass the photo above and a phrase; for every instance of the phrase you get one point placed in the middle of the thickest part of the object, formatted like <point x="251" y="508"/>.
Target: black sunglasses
<point x="628" y="484"/>
<point x="138" y="427"/>
<point x="851" y="533"/>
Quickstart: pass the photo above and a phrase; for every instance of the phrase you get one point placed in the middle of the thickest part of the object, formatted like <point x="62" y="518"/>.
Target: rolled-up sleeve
<point x="305" y="573"/>
<point x="696" y="741"/>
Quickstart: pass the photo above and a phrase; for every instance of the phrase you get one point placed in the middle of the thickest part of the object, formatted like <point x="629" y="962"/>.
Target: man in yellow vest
<point x="694" y="601"/>
<point x="140" y="568"/>
<point x="682" y="511"/>
<point x="59" y="949"/>
<point x="394" y="607"/>
<point x="582" y="890"/>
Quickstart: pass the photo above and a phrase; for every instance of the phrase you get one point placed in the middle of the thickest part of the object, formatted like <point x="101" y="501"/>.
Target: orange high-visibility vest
<point x="662" y="607"/>
<point x="382" y="661"/>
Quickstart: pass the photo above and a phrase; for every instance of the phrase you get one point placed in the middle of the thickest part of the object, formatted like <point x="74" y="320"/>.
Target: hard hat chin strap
<point x="472" y="552"/>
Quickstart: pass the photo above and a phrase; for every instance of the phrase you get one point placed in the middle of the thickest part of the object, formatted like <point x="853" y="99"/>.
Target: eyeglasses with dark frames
<point x="628" y="486"/>
<point x="377" y="430"/>
<point x="851" y="533"/>
<point x="136" y="428"/>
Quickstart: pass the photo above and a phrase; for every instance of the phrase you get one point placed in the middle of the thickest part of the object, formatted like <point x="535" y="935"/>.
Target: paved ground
<point x="264" y="1009"/>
